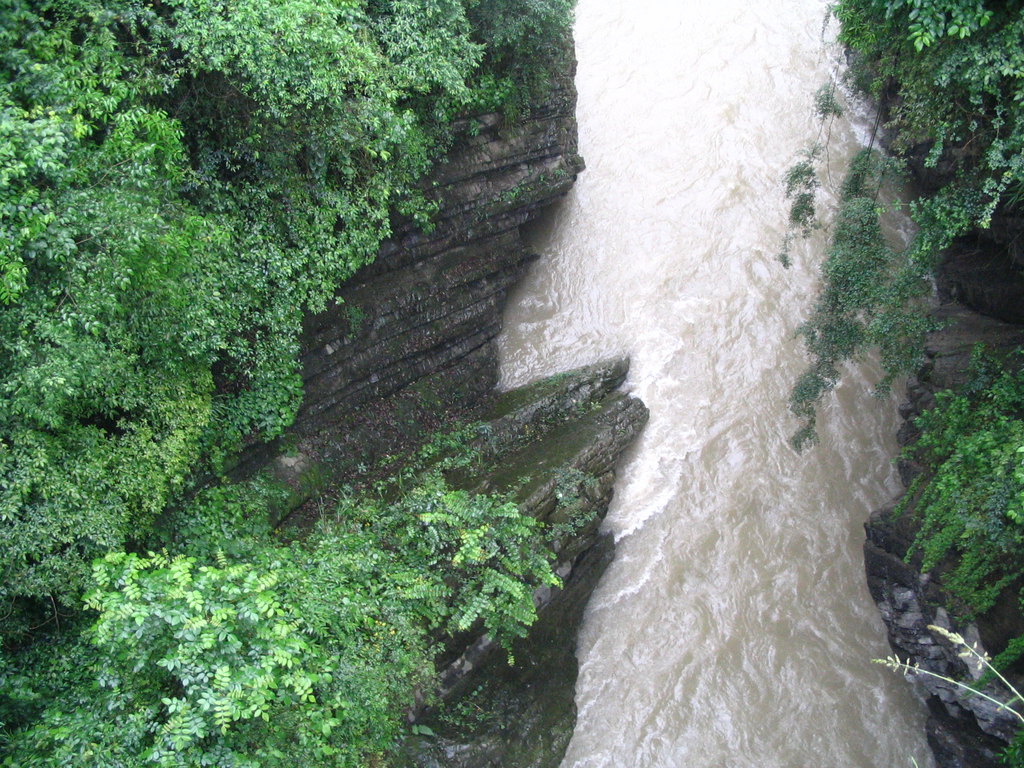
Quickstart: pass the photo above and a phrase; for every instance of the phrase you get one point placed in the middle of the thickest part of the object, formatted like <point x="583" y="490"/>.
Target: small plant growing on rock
<point x="1014" y="754"/>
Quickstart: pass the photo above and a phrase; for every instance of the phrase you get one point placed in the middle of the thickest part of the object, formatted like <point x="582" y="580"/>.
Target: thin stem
<point x="959" y="640"/>
<point x="914" y="670"/>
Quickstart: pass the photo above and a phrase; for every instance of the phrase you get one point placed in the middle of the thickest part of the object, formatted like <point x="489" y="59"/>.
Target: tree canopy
<point x="179" y="182"/>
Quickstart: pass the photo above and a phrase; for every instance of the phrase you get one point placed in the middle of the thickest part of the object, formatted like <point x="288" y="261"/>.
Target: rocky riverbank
<point x="979" y="301"/>
<point x="407" y="349"/>
<point x="552" y="446"/>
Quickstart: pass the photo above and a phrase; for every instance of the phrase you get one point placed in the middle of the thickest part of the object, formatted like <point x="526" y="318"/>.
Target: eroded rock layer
<point x="432" y="302"/>
<point x="553" y="446"/>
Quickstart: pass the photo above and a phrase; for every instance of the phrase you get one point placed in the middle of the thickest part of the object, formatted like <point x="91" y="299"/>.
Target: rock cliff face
<point x="977" y="297"/>
<point x="431" y="304"/>
<point x="410" y="337"/>
<point x="408" y="347"/>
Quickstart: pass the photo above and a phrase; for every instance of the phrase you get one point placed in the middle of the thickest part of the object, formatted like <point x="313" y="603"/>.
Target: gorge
<point x="389" y="385"/>
<point x="707" y="641"/>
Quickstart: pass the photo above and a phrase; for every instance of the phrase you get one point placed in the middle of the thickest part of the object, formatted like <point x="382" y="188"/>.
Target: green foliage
<point x="931" y="20"/>
<point x="476" y="558"/>
<point x="866" y="300"/>
<point x="801" y="180"/>
<point x="1013" y="755"/>
<point x="801" y="184"/>
<point x="469" y="712"/>
<point x="221" y="633"/>
<point x="286" y="655"/>
<point x="957" y="69"/>
<point x="826" y="105"/>
<point x="970" y="499"/>
<point x="573" y="513"/>
<point x="961" y="88"/>
<point x="524" y="40"/>
<point x="920" y="22"/>
<point x="228" y="518"/>
<point x="179" y="182"/>
<point x="193" y="660"/>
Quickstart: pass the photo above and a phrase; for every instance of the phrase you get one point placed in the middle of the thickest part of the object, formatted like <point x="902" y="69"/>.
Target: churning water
<point x="734" y="627"/>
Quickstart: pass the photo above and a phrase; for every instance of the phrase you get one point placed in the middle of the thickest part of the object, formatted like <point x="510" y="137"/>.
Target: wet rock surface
<point x="555" y="447"/>
<point x="409" y="339"/>
<point x="981" y="274"/>
<point x="964" y="731"/>
<point x="518" y="715"/>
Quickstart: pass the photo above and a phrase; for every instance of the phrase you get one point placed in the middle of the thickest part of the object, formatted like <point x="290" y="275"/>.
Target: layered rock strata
<point x="411" y="335"/>
<point x="432" y="302"/>
<point x="553" y="447"/>
<point x="407" y="348"/>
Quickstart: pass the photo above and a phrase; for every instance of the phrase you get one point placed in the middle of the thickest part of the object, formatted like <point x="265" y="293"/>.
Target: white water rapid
<point x="734" y="627"/>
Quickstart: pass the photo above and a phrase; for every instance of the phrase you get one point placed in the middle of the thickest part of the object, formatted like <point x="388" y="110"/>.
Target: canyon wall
<point x="408" y="348"/>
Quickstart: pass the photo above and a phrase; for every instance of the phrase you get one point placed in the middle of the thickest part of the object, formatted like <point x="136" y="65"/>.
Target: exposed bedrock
<point x="554" y="447"/>
<point x="410" y="337"/>
<point x="433" y="301"/>
<point x="980" y="300"/>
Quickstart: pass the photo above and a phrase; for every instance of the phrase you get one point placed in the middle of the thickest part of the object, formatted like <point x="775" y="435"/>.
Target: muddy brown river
<point x="734" y="627"/>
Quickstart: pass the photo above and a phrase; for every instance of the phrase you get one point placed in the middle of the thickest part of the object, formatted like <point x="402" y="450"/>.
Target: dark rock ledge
<point x="554" y="447"/>
<point x="409" y="339"/>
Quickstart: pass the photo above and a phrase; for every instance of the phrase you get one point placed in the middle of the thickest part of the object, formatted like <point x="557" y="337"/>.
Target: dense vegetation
<point x="181" y="180"/>
<point x="950" y="74"/>
<point x="967" y="503"/>
<point x="285" y="655"/>
<point x="970" y="499"/>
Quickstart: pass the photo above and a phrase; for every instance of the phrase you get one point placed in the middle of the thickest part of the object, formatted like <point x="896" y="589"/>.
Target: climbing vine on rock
<point x="950" y="75"/>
